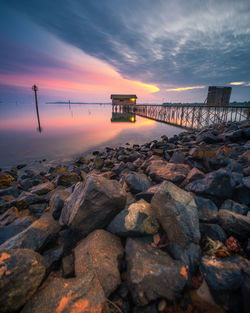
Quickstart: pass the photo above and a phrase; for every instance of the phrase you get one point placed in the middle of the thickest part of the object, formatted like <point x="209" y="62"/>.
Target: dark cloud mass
<point x="163" y="42"/>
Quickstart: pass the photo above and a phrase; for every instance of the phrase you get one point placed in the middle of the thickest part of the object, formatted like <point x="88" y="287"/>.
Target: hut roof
<point x="123" y="96"/>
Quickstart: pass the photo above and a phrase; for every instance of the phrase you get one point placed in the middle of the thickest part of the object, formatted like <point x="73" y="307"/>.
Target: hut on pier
<point x="123" y="100"/>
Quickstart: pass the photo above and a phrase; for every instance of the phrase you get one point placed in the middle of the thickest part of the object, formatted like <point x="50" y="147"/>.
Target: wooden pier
<point x="190" y="116"/>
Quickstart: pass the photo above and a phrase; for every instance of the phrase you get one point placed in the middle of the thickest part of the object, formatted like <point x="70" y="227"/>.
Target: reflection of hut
<point x="123" y="117"/>
<point x="218" y="96"/>
<point x="123" y="99"/>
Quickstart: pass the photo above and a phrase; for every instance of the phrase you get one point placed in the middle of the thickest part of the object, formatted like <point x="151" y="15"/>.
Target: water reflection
<point x="123" y="117"/>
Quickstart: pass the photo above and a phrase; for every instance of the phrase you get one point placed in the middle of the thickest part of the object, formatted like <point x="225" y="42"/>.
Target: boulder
<point x="176" y="211"/>
<point x="218" y="183"/>
<point x="137" y="220"/>
<point x="208" y="137"/>
<point x="68" y="266"/>
<point x="194" y="174"/>
<point x="242" y="194"/>
<point x="21" y="272"/>
<point x="232" y="135"/>
<point x="98" y="164"/>
<point x="207" y="210"/>
<point x="36" y="236"/>
<point x="152" y="273"/>
<point x="235" y="207"/>
<point x="75" y="295"/>
<point x="202" y="153"/>
<point x="178" y="157"/>
<point x="93" y="204"/>
<point x="52" y="258"/>
<point x="190" y="256"/>
<point x="5" y="180"/>
<point x="67" y="179"/>
<point x="148" y="194"/>
<point x="160" y="170"/>
<point x="137" y="182"/>
<point x="224" y="274"/>
<point x="234" y="224"/>
<point x="246" y="182"/>
<point x="56" y="201"/>
<point x="43" y="189"/>
<point x="100" y="254"/>
<point x="6" y="232"/>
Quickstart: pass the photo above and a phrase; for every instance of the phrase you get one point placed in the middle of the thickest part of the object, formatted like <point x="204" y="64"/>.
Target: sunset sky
<point x="160" y="50"/>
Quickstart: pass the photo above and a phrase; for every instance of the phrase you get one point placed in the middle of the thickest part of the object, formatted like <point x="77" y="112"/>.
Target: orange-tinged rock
<point x="5" y="180"/>
<point x="75" y="295"/>
<point x="21" y="272"/>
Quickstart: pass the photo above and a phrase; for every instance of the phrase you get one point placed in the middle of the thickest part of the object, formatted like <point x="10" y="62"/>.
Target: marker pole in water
<point x="35" y="88"/>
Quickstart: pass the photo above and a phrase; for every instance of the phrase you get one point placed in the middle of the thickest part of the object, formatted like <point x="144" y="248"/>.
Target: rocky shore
<point x="161" y="227"/>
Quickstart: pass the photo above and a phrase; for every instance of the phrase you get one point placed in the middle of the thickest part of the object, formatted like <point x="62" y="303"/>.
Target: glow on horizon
<point x="237" y="83"/>
<point x="185" y="88"/>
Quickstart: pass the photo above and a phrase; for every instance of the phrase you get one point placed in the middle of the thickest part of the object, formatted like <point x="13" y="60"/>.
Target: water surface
<point x="69" y="130"/>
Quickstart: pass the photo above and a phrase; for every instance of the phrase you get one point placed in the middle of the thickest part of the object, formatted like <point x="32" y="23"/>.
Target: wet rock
<point x="21" y="272"/>
<point x="208" y="137"/>
<point x="93" y="204"/>
<point x="178" y="157"/>
<point x="67" y="179"/>
<point x="202" y="153"/>
<point x="176" y="211"/>
<point x="100" y="253"/>
<point x="194" y="174"/>
<point x="160" y="170"/>
<point x="82" y="160"/>
<point x="152" y="273"/>
<point x="5" y="180"/>
<point x="83" y="294"/>
<point x="224" y="274"/>
<point x="56" y="201"/>
<point x="20" y="166"/>
<point x="190" y="257"/>
<point x="207" y="210"/>
<point x="9" y="216"/>
<point x="246" y="182"/>
<point x="37" y="209"/>
<point x="213" y="231"/>
<point x="218" y="183"/>
<point x="148" y="194"/>
<point x="137" y="182"/>
<point x="43" y="189"/>
<point x="118" y="168"/>
<point x="233" y="206"/>
<point x="68" y="266"/>
<point x="158" y="152"/>
<point x="52" y="258"/>
<point x="13" y="190"/>
<point x="232" y="136"/>
<point x="137" y="220"/>
<point x="17" y="226"/>
<point x="234" y="224"/>
<point x="36" y="236"/>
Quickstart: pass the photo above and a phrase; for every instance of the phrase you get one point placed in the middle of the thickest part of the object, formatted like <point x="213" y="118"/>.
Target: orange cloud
<point x="186" y="88"/>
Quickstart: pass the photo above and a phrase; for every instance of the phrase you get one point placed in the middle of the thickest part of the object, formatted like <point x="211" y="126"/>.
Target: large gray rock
<point x="36" y="236"/>
<point x="176" y="211"/>
<point x="224" y="274"/>
<point x="100" y="253"/>
<point x="137" y="220"/>
<point x="75" y="295"/>
<point x="218" y="183"/>
<point x="42" y="189"/>
<point x="160" y="170"/>
<point x="152" y="273"/>
<point x="137" y="182"/>
<point x="207" y="210"/>
<point x="56" y="201"/>
<point x="21" y="272"/>
<point x="234" y="224"/>
<point x="93" y="204"/>
<point x="6" y="232"/>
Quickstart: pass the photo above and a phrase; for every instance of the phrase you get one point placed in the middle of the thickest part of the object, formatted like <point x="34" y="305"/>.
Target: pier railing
<point x="192" y="116"/>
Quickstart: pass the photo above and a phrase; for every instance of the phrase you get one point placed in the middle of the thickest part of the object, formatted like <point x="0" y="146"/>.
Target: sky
<point x="161" y="50"/>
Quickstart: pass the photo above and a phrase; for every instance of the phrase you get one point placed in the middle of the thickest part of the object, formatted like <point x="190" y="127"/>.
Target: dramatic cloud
<point x="185" y="88"/>
<point x="161" y="42"/>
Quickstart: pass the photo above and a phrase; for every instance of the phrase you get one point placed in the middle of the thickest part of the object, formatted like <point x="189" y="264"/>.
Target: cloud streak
<point x="186" y="88"/>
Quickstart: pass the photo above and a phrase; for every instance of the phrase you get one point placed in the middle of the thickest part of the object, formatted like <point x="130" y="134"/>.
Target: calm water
<point x="69" y="131"/>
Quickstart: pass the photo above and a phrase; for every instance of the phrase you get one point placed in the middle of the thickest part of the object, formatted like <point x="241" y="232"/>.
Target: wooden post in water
<point x="35" y="88"/>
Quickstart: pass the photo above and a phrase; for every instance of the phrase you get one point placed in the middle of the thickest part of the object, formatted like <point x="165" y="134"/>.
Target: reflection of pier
<point x="192" y="116"/>
<point x="122" y="113"/>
